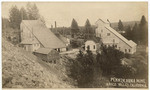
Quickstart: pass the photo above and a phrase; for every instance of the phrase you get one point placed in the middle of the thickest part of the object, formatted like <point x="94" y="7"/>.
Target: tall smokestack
<point x="55" y="25"/>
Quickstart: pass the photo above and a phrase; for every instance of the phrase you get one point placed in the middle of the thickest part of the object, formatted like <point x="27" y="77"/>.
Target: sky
<point x="64" y="12"/>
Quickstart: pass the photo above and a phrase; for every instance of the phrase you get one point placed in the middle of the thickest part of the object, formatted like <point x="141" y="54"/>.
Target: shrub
<point x="82" y="69"/>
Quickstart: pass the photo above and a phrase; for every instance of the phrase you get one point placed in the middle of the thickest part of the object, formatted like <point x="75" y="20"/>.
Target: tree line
<point x="138" y="33"/>
<point x="16" y="15"/>
<point x="88" y="31"/>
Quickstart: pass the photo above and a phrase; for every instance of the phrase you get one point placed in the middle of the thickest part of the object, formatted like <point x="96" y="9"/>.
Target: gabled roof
<point x="43" y="34"/>
<point x="62" y="38"/>
<point x="29" y="41"/>
<point x="43" y="50"/>
<point x="106" y="22"/>
<point x="95" y="40"/>
<point x="130" y="43"/>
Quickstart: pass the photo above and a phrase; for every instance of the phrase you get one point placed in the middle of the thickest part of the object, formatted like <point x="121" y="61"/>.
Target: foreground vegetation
<point x="90" y="70"/>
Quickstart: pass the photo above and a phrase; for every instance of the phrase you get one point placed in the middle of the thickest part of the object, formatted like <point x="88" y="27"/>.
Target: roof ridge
<point x="33" y="34"/>
<point x="127" y="41"/>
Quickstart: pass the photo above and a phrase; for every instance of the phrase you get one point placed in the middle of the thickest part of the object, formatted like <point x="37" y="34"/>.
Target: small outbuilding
<point x="47" y="54"/>
<point x="93" y="45"/>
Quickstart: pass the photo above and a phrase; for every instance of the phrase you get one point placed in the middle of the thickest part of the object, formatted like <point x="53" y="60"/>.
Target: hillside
<point x="21" y="69"/>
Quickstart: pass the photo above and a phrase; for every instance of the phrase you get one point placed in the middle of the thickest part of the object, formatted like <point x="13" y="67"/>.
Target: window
<point x="108" y="34"/>
<point x="116" y="46"/>
<point x="93" y="46"/>
<point x="58" y="49"/>
<point x="125" y="50"/>
<point x="119" y="48"/>
<point x="129" y="50"/>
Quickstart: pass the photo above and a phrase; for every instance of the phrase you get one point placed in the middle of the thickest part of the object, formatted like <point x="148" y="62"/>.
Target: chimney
<point x="55" y="25"/>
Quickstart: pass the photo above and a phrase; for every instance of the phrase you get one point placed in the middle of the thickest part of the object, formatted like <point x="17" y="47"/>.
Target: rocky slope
<point x="21" y="69"/>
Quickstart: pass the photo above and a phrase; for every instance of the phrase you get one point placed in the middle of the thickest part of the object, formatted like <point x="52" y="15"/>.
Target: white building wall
<point x="109" y="39"/>
<point x="36" y="46"/>
<point x="63" y="49"/>
<point x="92" y="45"/>
<point x="68" y="40"/>
<point x="26" y="34"/>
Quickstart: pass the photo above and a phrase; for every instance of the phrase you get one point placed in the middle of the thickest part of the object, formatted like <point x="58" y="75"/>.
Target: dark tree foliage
<point x="82" y="69"/>
<point x="139" y="33"/>
<point x="143" y="30"/>
<point x="129" y="33"/>
<point x="120" y="25"/>
<point x="110" y="63"/>
<point x="5" y="23"/>
<point x="89" y="32"/>
<point x="143" y="20"/>
<point x="23" y="14"/>
<point x="111" y="57"/>
<point x="87" y="70"/>
<point x="74" y="28"/>
<point x="135" y="34"/>
<point x="14" y="17"/>
<point x="74" y="43"/>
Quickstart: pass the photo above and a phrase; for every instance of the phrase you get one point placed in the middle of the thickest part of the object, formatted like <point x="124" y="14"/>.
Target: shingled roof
<point x="43" y="34"/>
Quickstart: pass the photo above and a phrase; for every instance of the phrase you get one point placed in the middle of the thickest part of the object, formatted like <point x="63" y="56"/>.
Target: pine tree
<point x="88" y="30"/>
<point x="143" y="20"/>
<point x="143" y="30"/>
<point x="135" y="34"/>
<point x="15" y="17"/>
<point x="74" y="28"/>
<point x="23" y="14"/>
<point x="120" y="25"/>
<point x="129" y="33"/>
<point x="33" y="12"/>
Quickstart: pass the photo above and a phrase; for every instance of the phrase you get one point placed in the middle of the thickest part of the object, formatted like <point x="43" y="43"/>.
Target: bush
<point x="82" y="69"/>
<point x="127" y="55"/>
<point x="110" y="59"/>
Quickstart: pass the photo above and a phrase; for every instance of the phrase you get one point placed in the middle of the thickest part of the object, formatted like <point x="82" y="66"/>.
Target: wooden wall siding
<point x="42" y="56"/>
<point x="52" y="56"/>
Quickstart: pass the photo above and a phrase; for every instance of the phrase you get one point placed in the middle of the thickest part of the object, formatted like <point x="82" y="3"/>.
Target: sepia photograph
<point x="47" y="45"/>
